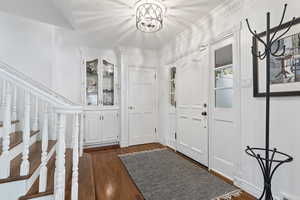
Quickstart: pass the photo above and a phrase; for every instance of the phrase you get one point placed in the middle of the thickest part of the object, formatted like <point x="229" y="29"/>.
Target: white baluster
<point x="26" y="136"/>
<point x="14" y="104"/>
<point x="75" y="158"/>
<point x="60" y="160"/>
<point x="3" y="97"/>
<point x="35" y="124"/>
<point x="81" y="133"/>
<point x="54" y="122"/>
<point x="4" y="159"/>
<point x="43" y="171"/>
<point x="14" y="108"/>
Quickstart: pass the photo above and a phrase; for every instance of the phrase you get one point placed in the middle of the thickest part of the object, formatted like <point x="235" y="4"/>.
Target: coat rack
<point x="269" y="164"/>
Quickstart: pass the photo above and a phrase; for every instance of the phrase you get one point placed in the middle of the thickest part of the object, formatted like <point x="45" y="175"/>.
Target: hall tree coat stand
<point x="269" y="164"/>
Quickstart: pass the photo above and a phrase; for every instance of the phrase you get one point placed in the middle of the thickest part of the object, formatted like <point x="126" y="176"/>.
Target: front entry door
<point x="142" y="106"/>
<point x="192" y="98"/>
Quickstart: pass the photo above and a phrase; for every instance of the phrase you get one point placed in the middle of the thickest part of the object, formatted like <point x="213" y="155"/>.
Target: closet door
<point x="142" y="110"/>
<point x="192" y="89"/>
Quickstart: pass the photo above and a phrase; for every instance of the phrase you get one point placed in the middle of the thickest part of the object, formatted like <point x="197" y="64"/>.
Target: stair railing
<point x="28" y="100"/>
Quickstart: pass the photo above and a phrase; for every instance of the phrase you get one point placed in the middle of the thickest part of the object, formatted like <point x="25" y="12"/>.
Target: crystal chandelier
<point x="149" y="15"/>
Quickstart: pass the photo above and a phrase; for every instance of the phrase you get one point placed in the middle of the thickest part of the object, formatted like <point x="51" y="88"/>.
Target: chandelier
<point x="149" y="15"/>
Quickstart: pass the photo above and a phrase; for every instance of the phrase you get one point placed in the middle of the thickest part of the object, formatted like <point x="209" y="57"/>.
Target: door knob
<point x="204" y="113"/>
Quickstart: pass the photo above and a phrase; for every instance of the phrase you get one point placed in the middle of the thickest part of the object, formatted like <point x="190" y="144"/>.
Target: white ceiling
<point x="109" y="23"/>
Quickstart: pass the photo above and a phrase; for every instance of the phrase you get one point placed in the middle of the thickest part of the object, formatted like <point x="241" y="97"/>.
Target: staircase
<point x="36" y="122"/>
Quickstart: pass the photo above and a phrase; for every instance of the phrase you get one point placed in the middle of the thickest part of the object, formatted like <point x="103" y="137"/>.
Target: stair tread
<point x="85" y="179"/>
<point x="34" y="190"/>
<point x="34" y="160"/>
<point x="12" y="122"/>
<point x="16" y="138"/>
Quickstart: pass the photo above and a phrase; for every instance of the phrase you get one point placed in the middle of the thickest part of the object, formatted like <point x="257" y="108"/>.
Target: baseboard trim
<point x="224" y="178"/>
<point x="101" y="148"/>
<point x="250" y="188"/>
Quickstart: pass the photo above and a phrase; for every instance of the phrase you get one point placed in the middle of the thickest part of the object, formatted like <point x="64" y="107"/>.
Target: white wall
<point x="40" y="10"/>
<point x="284" y="120"/>
<point x="27" y="46"/>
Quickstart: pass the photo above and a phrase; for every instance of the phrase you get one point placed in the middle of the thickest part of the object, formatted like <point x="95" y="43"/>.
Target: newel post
<point x="60" y="159"/>
<point x="4" y="159"/>
<point x="81" y="133"/>
<point x="75" y="157"/>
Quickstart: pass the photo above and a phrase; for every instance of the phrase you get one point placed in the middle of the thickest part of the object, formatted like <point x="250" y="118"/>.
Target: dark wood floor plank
<point x="86" y="182"/>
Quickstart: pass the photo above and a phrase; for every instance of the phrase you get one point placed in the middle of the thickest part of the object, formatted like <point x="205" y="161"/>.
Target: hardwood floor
<point x="112" y="181"/>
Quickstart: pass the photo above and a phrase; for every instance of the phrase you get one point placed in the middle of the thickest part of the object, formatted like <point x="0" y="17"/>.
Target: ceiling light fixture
<point x="149" y="15"/>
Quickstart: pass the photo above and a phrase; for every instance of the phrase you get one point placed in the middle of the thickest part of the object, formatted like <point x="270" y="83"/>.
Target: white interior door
<point x="224" y="104"/>
<point x="192" y="98"/>
<point x="142" y="106"/>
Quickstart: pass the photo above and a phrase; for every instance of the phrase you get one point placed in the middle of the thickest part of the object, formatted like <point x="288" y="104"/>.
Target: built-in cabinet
<point x="101" y="97"/>
<point x="101" y="127"/>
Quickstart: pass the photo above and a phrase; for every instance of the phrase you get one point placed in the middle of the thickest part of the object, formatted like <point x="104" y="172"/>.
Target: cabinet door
<point x="108" y="83"/>
<point x="110" y="126"/>
<point x="92" y="82"/>
<point x="92" y="127"/>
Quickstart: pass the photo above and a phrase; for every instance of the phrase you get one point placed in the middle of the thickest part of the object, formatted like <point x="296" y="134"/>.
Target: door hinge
<point x="155" y="130"/>
<point x="175" y="135"/>
<point x="155" y="76"/>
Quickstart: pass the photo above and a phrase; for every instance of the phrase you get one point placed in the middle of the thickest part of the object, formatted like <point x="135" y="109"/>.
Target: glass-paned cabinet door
<point x="108" y="76"/>
<point x="92" y="82"/>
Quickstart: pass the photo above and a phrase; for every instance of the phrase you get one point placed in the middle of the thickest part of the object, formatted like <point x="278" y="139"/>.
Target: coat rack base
<point x="268" y="166"/>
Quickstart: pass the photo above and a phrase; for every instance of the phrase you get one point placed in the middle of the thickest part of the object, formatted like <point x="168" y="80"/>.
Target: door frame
<point x="235" y="34"/>
<point x="127" y="102"/>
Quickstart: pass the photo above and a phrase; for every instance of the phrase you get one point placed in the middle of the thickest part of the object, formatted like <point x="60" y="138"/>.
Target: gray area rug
<point x="164" y="175"/>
